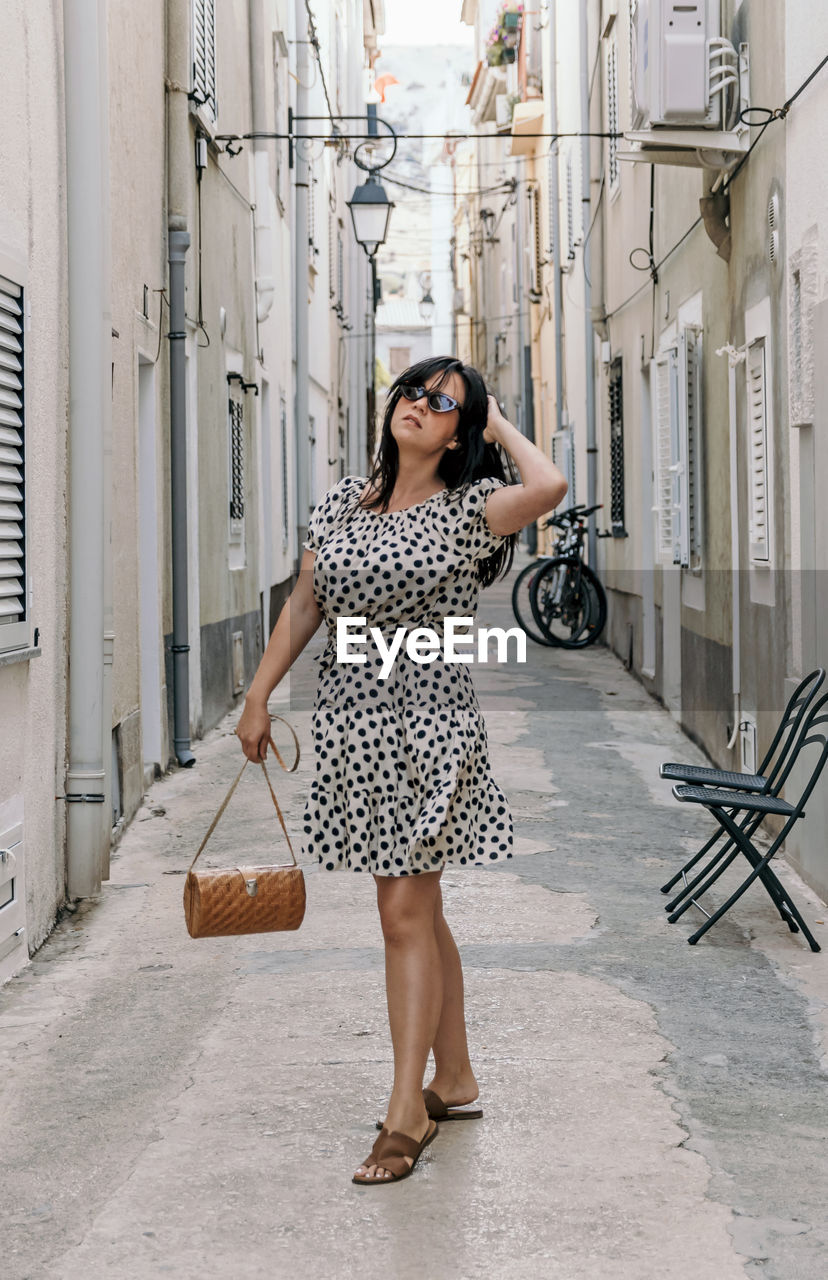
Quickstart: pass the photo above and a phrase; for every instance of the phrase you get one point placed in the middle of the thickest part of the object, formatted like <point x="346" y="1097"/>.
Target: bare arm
<point x="298" y="621"/>
<point x="513" y="508"/>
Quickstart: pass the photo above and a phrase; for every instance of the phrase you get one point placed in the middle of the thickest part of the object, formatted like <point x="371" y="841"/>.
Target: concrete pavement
<point x="652" y="1111"/>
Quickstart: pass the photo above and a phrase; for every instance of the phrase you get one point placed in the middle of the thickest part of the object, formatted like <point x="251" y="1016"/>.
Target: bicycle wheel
<point x="521" y="604"/>
<point x="568" y="603"/>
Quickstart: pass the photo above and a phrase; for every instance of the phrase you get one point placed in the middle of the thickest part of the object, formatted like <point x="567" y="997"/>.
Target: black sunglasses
<point x="437" y="400"/>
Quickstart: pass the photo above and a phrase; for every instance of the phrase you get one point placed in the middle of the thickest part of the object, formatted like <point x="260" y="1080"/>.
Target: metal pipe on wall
<point x="301" y="280"/>
<point x="555" y="205"/>
<point x="589" y="337"/>
<point x="179" y="162"/>
<point x="90" y="338"/>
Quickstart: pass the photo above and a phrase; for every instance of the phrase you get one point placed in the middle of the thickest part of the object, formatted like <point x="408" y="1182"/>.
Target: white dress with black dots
<point x="402" y="781"/>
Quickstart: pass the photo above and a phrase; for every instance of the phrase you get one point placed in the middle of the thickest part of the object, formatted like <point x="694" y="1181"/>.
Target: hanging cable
<point x="314" y="39"/>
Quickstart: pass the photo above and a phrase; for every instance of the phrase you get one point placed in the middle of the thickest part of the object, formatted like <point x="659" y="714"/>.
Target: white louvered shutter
<point x="612" y="109"/>
<point x="666" y="452"/>
<point x="552" y="160"/>
<point x="14" y="628"/>
<point x="757" y="422"/>
<point x="692" y="401"/>
<point x="204" y="54"/>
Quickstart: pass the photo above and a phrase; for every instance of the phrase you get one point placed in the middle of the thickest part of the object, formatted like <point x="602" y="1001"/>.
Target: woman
<point x="403" y="785"/>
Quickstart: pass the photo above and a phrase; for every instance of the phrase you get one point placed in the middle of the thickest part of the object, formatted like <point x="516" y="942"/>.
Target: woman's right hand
<point x="253" y="730"/>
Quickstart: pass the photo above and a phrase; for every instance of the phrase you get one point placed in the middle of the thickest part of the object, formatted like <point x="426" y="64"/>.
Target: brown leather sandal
<point x="388" y="1153"/>
<point x="438" y="1110"/>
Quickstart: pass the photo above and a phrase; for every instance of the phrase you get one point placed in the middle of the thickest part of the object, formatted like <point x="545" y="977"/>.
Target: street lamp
<point x="427" y="307"/>
<point x="370" y="214"/>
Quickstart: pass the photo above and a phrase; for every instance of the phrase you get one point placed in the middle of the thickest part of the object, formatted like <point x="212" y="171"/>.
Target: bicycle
<point x="567" y="602"/>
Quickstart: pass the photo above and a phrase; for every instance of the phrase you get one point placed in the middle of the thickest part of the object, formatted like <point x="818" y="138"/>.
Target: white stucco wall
<point x="32" y="232"/>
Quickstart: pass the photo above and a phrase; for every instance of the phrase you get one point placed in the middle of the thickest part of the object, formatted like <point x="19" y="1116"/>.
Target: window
<point x="552" y="160"/>
<point x="283" y="427"/>
<point x="535" y="250"/>
<point x="678" y="449"/>
<point x="612" y="110"/>
<point x="563" y="456"/>
<point x="616" y="425"/>
<point x="757" y="426"/>
<point x="279" y="99"/>
<point x="14" y="622"/>
<point x="399" y="358"/>
<point x="204" y="55"/>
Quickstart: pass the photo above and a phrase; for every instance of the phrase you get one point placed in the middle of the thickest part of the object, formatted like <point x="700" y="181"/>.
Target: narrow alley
<point x="652" y="1111"/>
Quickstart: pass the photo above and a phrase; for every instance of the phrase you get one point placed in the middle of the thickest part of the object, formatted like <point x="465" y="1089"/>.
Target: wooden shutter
<point x="552" y="160"/>
<point x="570" y="208"/>
<point x="616" y="425"/>
<point x="757" y="422"/>
<point x="612" y="108"/>
<point x="14" y="629"/>
<point x="204" y="54"/>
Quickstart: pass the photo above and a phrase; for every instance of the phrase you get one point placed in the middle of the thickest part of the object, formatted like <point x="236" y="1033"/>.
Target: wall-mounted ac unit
<point x="689" y="86"/>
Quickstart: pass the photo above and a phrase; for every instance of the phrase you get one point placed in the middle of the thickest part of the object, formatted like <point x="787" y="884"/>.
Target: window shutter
<point x="690" y="442"/>
<point x="665" y="452"/>
<point x="535" y="249"/>
<point x="570" y="208"/>
<point x="612" y="108"/>
<point x="13" y="617"/>
<point x="285" y="495"/>
<point x="563" y="456"/>
<point x="236" y="460"/>
<point x="616" y="424"/>
<point x="552" y="160"/>
<point x="757" y="451"/>
<point x="204" y="53"/>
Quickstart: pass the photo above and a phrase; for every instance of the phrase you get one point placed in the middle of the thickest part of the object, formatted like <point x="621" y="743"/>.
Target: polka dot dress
<point x="403" y="782"/>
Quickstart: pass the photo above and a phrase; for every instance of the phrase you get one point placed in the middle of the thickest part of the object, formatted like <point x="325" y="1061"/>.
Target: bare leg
<point x="413" y="983"/>
<point x="454" y="1079"/>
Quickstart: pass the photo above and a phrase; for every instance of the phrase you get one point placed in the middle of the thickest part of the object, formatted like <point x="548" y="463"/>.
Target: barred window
<point x="612" y="109"/>
<point x="14" y="625"/>
<point x="616" y="425"/>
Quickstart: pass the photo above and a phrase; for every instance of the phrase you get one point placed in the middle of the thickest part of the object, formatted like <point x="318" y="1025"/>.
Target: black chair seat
<point x="713" y="777"/>
<point x="733" y="800"/>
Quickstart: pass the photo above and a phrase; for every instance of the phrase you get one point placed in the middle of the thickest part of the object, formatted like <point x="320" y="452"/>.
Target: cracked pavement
<point x="652" y="1111"/>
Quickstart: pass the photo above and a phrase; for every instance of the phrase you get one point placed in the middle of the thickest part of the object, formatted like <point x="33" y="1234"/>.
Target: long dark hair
<point x="471" y="460"/>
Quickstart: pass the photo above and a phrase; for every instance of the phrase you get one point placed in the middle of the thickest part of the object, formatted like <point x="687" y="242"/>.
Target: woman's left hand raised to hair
<point x="514" y="506"/>
<point x="494" y="420"/>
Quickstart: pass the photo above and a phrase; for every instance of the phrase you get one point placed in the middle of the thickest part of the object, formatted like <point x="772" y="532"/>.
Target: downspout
<point x="180" y="161"/>
<point x="262" y="226"/>
<point x="589" y="354"/>
<point x="555" y="204"/>
<point x="265" y="284"/>
<point x="301" y="279"/>
<point x="90" y="398"/>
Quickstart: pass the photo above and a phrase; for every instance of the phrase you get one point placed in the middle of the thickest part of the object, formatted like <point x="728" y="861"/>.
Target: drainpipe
<point x="592" y="447"/>
<point x="555" y="203"/>
<point x="262" y="227"/>
<point x="301" y="280"/>
<point x="180" y="161"/>
<point x="90" y="345"/>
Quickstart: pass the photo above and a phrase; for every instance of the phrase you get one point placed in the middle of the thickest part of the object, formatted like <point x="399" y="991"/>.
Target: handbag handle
<point x="226" y="799"/>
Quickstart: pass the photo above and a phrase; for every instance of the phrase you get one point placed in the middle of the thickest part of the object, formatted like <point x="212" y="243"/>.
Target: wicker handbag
<point x="221" y="902"/>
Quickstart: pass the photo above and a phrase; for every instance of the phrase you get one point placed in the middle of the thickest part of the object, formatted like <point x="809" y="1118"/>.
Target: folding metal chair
<point x="764" y="782"/>
<point x="725" y="804"/>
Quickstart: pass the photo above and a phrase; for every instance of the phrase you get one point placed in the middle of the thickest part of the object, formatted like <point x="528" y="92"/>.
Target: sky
<point x="425" y="22"/>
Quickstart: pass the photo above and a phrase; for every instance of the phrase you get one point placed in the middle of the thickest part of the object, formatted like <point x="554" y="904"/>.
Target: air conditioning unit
<point x="689" y="86"/>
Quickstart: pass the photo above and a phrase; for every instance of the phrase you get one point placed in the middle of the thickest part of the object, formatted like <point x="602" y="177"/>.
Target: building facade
<point x="157" y="466"/>
<point x="675" y="328"/>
